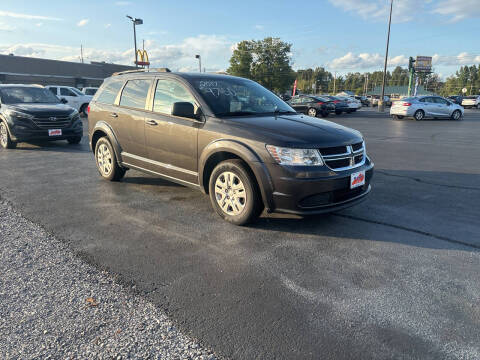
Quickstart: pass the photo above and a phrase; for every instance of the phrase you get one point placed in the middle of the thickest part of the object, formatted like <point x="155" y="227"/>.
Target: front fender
<point x="247" y="154"/>
<point x="107" y="129"/>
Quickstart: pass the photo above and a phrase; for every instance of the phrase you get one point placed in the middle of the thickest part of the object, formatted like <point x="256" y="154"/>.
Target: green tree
<point x="266" y="61"/>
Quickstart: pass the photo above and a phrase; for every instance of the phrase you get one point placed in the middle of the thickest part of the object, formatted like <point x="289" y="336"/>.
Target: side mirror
<point x="64" y="101"/>
<point x="184" y="109"/>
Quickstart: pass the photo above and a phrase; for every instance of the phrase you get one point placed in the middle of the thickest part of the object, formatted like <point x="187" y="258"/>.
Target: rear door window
<point x="108" y="94"/>
<point x="66" y="92"/>
<point x="135" y="93"/>
<point x="53" y="90"/>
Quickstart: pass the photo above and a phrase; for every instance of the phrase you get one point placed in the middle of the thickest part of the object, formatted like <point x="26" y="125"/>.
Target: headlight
<point x="18" y="114"/>
<point x="295" y="157"/>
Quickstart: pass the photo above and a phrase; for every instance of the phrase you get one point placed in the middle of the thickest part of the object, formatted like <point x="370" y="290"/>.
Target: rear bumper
<point x="325" y="193"/>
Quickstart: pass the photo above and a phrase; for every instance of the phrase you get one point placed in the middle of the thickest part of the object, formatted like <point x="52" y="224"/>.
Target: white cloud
<point x="351" y="61"/>
<point x="39" y="24"/>
<point x="259" y="27"/>
<point x="6" y="27"/>
<point x="28" y="16"/>
<point x="215" y="51"/>
<point x="107" y="26"/>
<point x="458" y="9"/>
<point x="461" y="59"/>
<point x="83" y="22"/>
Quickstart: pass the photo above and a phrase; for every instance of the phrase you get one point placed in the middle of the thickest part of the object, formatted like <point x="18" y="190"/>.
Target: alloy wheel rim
<point x="104" y="160"/>
<point x="3" y="134"/>
<point x="312" y="112"/>
<point x="456" y="115"/>
<point x="230" y="193"/>
<point x="419" y="115"/>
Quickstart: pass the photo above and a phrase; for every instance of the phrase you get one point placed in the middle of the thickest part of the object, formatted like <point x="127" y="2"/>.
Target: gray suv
<point x="230" y="138"/>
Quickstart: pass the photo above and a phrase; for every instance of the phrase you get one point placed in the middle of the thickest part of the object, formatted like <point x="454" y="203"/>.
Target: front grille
<point x="50" y="123"/>
<point x="341" y="158"/>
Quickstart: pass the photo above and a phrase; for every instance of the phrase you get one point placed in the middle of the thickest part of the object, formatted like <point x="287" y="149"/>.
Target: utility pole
<point x="81" y="53"/>
<point x="199" y="62"/>
<point x="334" y="82"/>
<point x="381" y="106"/>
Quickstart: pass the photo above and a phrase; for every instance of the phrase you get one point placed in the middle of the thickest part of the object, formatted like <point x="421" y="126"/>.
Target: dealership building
<point x="28" y="70"/>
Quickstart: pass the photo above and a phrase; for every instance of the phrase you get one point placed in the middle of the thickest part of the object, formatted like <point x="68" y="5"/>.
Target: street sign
<point x="464" y="90"/>
<point x="423" y="64"/>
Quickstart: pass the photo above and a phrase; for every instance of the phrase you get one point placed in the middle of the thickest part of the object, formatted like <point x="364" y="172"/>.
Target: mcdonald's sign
<point x="142" y="58"/>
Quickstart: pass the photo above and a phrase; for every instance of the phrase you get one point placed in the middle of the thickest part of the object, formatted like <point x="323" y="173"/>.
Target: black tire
<point x="337" y="112"/>
<point x="5" y="139"/>
<point x="478" y="107"/>
<point x="419" y="115"/>
<point x="397" y="117"/>
<point x="312" y="112"/>
<point x="456" y="115"/>
<point x="84" y="110"/>
<point x="249" y="205"/>
<point x="107" y="166"/>
<point x="74" y="140"/>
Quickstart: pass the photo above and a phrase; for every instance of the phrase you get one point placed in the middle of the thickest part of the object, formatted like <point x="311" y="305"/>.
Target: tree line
<point x="268" y="62"/>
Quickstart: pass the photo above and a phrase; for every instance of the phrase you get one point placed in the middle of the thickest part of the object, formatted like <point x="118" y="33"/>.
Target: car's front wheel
<point x="5" y="140"/>
<point x="419" y="115"/>
<point x="312" y="112"/>
<point x="107" y="161"/>
<point x="234" y="192"/>
<point x="456" y="115"/>
<point x="74" y="140"/>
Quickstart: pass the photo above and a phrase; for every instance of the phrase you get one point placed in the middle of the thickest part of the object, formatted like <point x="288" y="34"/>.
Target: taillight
<point x="88" y="109"/>
<point x="407" y="104"/>
<point x="320" y="103"/>
<point x="336" y="101"/>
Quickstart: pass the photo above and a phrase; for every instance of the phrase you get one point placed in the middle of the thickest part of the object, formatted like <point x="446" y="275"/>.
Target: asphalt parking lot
<point x="395" y="277"/>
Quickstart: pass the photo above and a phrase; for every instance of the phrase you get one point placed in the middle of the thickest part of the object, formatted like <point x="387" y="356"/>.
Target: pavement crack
<point x="400" y="227"/>
<point x="427" y="182"/>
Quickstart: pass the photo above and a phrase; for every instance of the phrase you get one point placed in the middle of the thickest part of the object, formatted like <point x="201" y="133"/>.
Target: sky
<point x="340" y="35"/>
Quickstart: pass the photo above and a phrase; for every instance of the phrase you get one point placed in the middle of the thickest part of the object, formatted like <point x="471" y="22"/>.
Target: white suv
<point x="73" y="97"/>
<point x="472" y="101"/>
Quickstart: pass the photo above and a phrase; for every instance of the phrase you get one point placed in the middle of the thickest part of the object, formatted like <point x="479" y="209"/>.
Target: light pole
<point x="381" y="106"/>
<point x="199" y="62"/>
<point x="135" y="22"/>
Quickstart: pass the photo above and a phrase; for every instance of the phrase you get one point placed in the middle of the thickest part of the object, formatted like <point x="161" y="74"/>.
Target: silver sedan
<point x="421" y="107"/>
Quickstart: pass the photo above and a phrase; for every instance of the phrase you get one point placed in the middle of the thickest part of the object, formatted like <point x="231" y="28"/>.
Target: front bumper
<point x="325" y="191"/>
<point x="24" y="134"/>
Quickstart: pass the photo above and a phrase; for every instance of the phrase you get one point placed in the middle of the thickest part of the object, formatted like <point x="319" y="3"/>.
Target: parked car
<point x="422" y="107"/>
<point x="312" y="105"/>
<point x="456" y="99"/>
<point x="31" y="112"/>
<point x="363" y="100"/>
<point x="353" y="104"/>
<point x="472" y="101"/>
<point x="386" y="100"/>
<point x="90" y="91"/>
<point x="230" y="138"/>
<point x="341" y="106"/>
<point x="74" y="97"/>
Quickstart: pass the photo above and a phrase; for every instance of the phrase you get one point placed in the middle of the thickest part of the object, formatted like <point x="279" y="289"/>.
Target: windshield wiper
<point x="284" y="112"/>
<point x="237" y="113"/>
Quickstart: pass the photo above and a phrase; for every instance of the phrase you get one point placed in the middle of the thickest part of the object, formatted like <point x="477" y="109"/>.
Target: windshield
<point x="31" y="95"/>
<point x="76" y="91"/>
<point x="238" y="97"/>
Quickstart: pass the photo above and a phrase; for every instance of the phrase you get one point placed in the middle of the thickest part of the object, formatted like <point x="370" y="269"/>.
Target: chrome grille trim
<point x="47" y="123"/>
<point x="350" y="155"/>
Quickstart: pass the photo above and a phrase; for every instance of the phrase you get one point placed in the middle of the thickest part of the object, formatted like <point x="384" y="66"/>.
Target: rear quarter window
<point x="108" y="93"/>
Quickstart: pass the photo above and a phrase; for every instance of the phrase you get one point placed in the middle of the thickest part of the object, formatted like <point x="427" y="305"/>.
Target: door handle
<point x="151" y="122"/>
<point x="115" y="115"/>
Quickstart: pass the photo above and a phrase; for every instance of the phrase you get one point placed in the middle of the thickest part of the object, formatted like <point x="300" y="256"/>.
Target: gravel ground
<point x="53" y="305"/>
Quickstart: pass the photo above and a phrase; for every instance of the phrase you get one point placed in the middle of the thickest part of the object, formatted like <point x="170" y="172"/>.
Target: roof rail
<point x="141" y="70"/>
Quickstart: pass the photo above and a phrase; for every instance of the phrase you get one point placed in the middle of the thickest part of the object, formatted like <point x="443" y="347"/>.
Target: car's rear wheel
<point x="456" y="115"/>
<point x="5" y="140"/>
<point x="397" y="117"/>
<point x="419" y="115"/>
<point x="107" y="161"/>
<point x="234" y="193"/>
<point x="312" y="112"/>
<point x="84" y="109"/>
<point x="74" y="140"/>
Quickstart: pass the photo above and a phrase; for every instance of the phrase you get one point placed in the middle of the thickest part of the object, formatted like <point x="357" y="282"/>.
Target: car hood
<point x="295" y="131"/>
<point x="43" y="109"/>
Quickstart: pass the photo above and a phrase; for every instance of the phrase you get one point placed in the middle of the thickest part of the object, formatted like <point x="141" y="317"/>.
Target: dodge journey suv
<point x="230" y="138"/>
